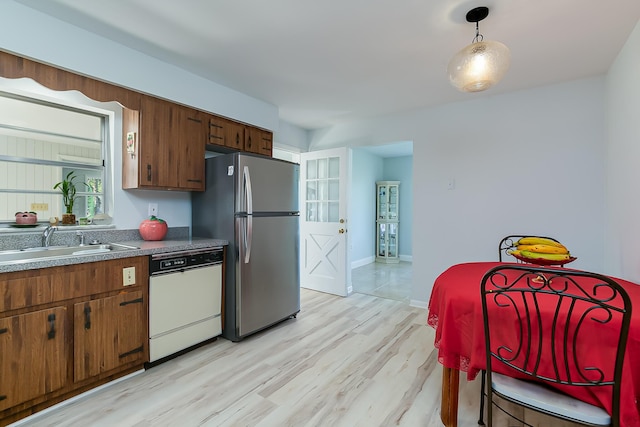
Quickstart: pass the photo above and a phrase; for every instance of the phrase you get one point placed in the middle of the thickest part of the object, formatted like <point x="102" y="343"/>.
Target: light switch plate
<point x="128" y="276"/>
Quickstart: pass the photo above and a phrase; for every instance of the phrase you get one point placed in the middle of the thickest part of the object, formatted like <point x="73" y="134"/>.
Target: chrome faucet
<point x="81" y="237"/>
<point x="46" y="235"/>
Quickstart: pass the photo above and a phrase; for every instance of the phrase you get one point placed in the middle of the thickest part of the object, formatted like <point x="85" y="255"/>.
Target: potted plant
<point x="68" y="189"/>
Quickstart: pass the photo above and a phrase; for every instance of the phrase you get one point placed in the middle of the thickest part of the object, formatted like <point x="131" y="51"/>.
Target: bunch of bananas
<point x="540" y="248"/>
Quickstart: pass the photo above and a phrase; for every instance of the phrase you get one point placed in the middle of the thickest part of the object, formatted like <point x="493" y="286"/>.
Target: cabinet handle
<point x="237" y="139"/>
<point x="194" y="180"/>
<point x="52" y="326"/>
<point x="133" y="301"/>
<point x="3" y="397"/>
<point x="87" y="317"/>
<point x="195" y="120"/>
<point x="129" y="353"/>
<point x="215" y="137"/>
<point x="213" y="125"/>
<point x="4" y="330"/>
<point x="249" y="142"/>
<point x="148" y="172"/>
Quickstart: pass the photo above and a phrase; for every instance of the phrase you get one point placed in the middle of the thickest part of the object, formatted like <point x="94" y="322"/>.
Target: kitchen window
<point x="40" y="143"/>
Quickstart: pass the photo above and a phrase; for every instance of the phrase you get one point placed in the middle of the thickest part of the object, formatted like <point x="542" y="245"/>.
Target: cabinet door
<point x="155" y="149"/>
<point x="381" y="240"/>
<point x="382" y="198"/>
<point x="226" y="133"/>
<point x="190" y="136"/>
<point x="392" y="240"/>
<point x="258" y="141"/>
<point x="216" y="130"/>
<point x="393" y="202"/>
<point x="33" y="359"/>
<point x="108" y="333"/>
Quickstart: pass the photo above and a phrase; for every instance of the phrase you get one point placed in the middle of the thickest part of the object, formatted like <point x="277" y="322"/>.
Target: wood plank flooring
<point x="355" y="361"/>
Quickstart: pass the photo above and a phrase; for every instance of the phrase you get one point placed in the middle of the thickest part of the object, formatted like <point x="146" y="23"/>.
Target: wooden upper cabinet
<point x="236" y="136"/>
<point x="169" y="147"/>
<point x="226" y="133"/>
<point x="258" y="141"/>
<point x="192" y="147"/>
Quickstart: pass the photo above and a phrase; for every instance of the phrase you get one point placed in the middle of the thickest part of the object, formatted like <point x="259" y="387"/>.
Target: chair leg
<point x="482" y="391"/>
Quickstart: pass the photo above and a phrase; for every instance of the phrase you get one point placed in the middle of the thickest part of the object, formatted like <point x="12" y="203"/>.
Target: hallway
<point x="391" y="281"/>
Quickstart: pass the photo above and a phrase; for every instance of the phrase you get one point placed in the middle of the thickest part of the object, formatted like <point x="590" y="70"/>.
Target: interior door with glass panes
<point x="324" y="183"/>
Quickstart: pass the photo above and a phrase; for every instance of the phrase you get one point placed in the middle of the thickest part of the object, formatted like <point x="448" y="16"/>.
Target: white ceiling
<point x="325" y="62"/>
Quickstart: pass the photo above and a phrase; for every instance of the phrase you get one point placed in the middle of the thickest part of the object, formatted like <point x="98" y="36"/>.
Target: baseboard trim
<point x="363" y="261"/>
<point x="369" y="260"/>
<point x="418" y="303"/>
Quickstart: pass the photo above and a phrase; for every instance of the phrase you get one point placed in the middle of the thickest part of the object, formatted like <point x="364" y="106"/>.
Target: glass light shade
<point x="479" y="66"/>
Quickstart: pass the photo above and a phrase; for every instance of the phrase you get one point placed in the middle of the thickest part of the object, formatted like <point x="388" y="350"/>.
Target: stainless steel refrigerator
<point x="252" y="201"/>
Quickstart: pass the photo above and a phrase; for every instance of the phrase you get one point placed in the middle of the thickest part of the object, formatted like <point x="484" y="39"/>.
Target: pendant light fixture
<point x="480" y="65"/>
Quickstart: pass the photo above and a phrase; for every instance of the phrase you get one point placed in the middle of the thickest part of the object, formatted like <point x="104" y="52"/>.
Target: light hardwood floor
<point x="355" y="361"/>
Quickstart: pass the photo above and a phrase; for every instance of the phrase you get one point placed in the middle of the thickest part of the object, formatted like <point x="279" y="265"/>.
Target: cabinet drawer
<point x="31" y="288"/>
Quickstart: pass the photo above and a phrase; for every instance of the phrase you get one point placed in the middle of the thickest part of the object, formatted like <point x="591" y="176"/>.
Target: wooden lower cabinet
<point x="107" y="333"/>
<point x="33" y="359"/>
<point x="65" y="330"/>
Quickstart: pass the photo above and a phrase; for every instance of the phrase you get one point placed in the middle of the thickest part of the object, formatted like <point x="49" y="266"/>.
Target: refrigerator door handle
<point x="247" y="190"/>
<point x="249" y="238"/>
<point x="249" y="223"/>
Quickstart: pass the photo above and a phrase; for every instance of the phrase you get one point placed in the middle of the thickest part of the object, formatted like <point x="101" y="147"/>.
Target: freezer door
<point x="272" y="184"/>
<point x="268" y="285"/>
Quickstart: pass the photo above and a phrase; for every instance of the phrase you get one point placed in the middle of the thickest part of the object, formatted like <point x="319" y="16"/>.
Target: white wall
<point x="367" y="168"/>
<point x="622" y="255"/>
<point x="291" y="137"/>
<point x="525" y="162"/>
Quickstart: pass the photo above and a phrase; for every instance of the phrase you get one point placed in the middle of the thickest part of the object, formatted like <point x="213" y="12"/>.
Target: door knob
<point x="341" y="231"/>
<point x="341" y="221"/>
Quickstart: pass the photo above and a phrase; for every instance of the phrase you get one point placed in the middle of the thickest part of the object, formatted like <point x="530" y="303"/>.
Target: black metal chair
<point x="508" y="242"/>
<point x="539" y="325"/>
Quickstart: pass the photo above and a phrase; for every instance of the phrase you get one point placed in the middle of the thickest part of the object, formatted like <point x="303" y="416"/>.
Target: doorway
<point x="389" y="162"/>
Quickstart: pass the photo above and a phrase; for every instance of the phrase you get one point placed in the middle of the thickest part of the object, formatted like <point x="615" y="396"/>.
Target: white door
<point x="324" y="183"/>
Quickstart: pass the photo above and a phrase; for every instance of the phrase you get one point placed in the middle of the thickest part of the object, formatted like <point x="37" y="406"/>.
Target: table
<point x="455" y="312"/>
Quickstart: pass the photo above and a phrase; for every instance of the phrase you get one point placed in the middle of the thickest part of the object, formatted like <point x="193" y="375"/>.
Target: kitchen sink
<point x="41" y="252"/>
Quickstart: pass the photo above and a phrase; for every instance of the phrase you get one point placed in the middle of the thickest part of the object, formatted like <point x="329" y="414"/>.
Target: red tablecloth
<point x="455" y="312"/>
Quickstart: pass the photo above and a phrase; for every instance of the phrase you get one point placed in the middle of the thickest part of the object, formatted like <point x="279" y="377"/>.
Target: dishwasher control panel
<point x="184" y="260"/>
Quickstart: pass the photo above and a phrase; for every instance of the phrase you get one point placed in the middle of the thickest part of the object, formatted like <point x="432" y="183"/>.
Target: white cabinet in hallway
<point x="387" y="202"/>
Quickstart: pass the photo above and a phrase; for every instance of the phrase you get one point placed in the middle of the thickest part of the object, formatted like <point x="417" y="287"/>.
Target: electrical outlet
<point x="153" y="209"/>
<point x="39" y="206"/>
<point x="128" y="276"/>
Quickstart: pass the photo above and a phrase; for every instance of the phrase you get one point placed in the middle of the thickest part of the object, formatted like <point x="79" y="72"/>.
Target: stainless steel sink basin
<point x="39" y="253"/>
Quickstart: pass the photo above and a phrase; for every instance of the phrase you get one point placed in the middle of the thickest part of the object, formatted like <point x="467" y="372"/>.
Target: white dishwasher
<point x="185" y="300"/>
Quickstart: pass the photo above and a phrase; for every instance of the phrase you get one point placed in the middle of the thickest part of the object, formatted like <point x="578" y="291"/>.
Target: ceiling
<point x="327" y="62"/>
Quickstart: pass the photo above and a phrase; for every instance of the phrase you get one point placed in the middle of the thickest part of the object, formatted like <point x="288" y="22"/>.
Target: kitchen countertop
<point x="145" y="248"/>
